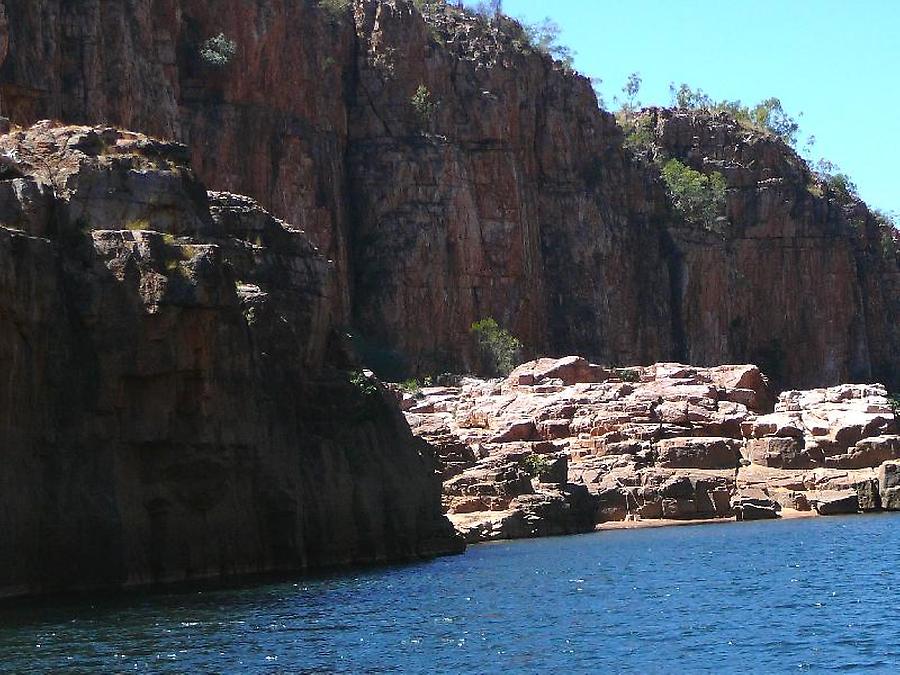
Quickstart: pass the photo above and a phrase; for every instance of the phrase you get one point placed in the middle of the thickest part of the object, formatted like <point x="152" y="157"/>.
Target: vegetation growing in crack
<point x="218" y="51"/>
<point x="700" y="198"/>
<point x="639" y="135"/>
<point x="540" y="36"/>
<point x="364" y="384"/>
<point x="629" y="374"/>
<point x="895" y="403"/>
<point x="500" y="350"/>
<point x="424" y="105"/>
<point x="425" y="5"/>
<point x="535" y="465"/>
<point x="414" y="386"/>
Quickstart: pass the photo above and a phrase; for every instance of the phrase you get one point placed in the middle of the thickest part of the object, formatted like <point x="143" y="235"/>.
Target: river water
<point x="797" y="595"/>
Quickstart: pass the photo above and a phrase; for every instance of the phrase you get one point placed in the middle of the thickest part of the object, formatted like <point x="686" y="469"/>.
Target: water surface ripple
<point x="801" y="595"/>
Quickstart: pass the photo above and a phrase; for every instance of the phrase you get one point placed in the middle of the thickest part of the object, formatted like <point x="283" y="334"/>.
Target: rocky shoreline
<point x="565" y="446"/>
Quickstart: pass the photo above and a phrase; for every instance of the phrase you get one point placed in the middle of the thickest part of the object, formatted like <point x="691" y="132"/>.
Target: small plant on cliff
<point x="500" y="349"/>
<point x="364" y="384"/>
<point x="629" y="374"/>
<point x="639" y="133"/>
<point x="535" y="465"/>
<point x="631" y="90"/>
<point x="843" y="187"/>
<point x="412" y="386"/>
<point x="424" y="105"/>
<point x="887" y="218"/>
<point x="699" y="198"/>
<point x="895" y="403"/>
<point x="218" y="51"/>
<point x="827" y="173"/>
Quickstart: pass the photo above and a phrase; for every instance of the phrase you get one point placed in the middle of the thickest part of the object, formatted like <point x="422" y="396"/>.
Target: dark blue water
<point x="802" y="595"/>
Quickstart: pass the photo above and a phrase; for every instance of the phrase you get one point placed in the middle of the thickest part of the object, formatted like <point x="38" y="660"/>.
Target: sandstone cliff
<point x="513" y="197"/>
<point x="177" y="403"/>
<point x="797" y="278"/>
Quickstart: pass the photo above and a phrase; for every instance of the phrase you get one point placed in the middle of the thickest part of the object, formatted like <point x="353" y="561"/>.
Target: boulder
<point x="868" y="494"/>
<point x="570" y="509"/>
<point x="754" y="510"/>
<point x="851" y="427"/>
<point x="754" y="504"/>
<point x="743" y="384"/>
<point x="833" y="502"/>
<point x="781" y="424"/>
<point x="698" y="453"/>
<point x="518" y="430"/>
<point x="778" y="452"/>
<point x="568" y="370"/>
<point x="868" y="452"/>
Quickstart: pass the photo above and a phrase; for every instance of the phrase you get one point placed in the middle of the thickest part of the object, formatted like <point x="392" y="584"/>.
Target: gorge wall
<point x="177" y="403"/>
<point x="514" y="198"/>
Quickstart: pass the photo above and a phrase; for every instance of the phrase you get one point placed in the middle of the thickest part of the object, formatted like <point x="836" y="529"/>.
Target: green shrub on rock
<point x="535" y="465"/>
<point x="699" y="198"/>
<point x="218" y="50"/>
<point x="423" y="104"/>
<point x="500" y="349"/>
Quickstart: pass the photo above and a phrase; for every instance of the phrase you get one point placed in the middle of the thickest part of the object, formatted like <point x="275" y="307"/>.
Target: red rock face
<point x="796" y="281"/>
<point x="514" y="198"/>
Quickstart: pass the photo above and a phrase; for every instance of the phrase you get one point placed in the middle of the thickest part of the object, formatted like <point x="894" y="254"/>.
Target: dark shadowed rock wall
<point x="177" y="403"/>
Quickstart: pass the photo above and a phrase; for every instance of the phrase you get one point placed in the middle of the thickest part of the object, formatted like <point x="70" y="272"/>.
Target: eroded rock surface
<point x="665" y="441"/>
<point x="177" y="402"/>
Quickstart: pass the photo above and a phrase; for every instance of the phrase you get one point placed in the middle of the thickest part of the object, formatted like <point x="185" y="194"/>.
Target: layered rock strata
<point x="177" y="403"/>
<point x="666" y="441"/>
<point x="506" y="193"/>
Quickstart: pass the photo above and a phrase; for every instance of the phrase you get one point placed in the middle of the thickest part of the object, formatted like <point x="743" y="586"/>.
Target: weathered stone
<point x="679" y="508"/>
<point x="557" y="470"/>
<point x="778" y="452"/>
<point x="867" y="494"/>
<point x="518" y="430"/>
<point x="833" y="502"/>
<point x="776" y="424"/>
<point x="868" y="452"/>
<point x="889" y="485"/>
<point x="753" y="509"/>
<point x="639" y="447"/>
<point x="698" y="453"/>
<point x="568" y="370"/>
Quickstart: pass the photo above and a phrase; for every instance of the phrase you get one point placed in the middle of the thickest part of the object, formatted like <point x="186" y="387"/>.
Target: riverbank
<point x="564" y="446"/>
<point x="786" y="514"/>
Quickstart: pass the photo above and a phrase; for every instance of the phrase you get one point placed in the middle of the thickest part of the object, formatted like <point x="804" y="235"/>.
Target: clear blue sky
<point x="837" y="61"/>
